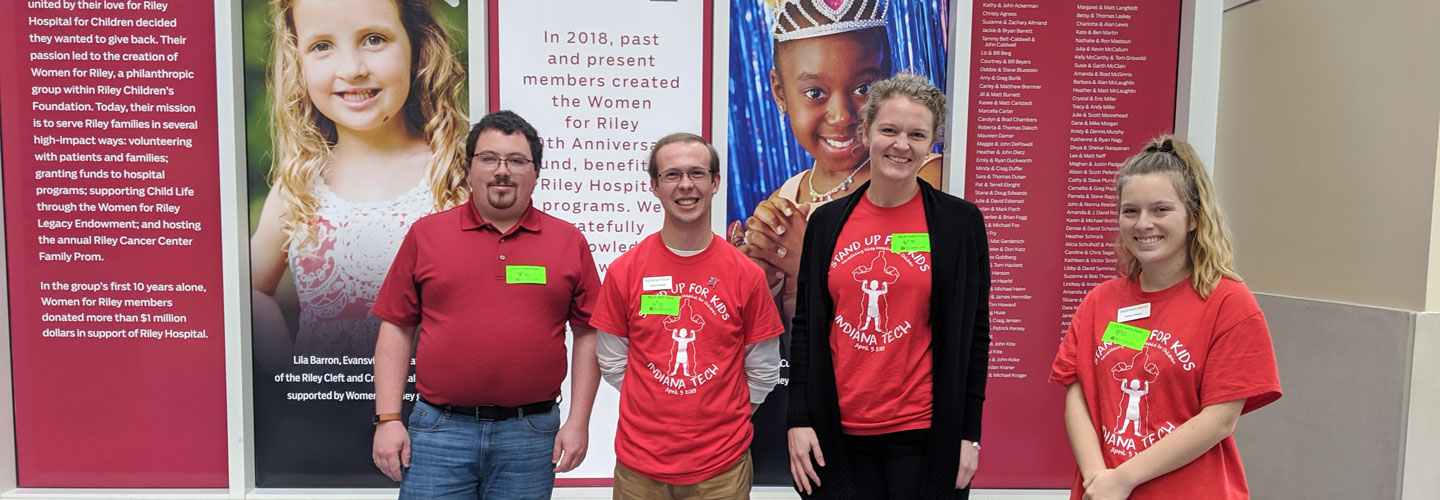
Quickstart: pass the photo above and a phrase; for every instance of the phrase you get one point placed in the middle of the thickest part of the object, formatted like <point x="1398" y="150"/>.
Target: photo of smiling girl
<point x="355" y="129"/>
<point x="826" y="54"/>
<point x="367" y="129"/>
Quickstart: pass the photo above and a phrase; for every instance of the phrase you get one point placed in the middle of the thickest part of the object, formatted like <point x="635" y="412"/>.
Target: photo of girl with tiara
<point x="799" y="71"/>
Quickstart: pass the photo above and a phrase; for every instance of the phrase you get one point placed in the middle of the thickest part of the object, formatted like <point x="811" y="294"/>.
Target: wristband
<point x="387" y="417"/>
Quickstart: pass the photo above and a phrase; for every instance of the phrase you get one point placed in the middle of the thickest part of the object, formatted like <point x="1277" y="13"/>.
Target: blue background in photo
<point x="763" y="151"/>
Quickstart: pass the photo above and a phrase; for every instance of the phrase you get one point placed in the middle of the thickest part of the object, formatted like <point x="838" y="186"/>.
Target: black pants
<point x="888" y="465"/>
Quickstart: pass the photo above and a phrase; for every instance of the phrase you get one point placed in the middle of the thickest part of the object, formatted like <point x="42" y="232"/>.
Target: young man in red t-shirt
<point x="694" y="319"/>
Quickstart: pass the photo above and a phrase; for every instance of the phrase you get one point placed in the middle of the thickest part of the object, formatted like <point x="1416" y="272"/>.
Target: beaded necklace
<point x="830" y="195"/>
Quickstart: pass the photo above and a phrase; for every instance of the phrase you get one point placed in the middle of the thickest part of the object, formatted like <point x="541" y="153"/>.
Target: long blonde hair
<point x="303" y="137"/>
<point x="1208" y="247"/>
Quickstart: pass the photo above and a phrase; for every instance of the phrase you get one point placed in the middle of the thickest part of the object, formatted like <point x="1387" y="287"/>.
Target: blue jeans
<point x="459" y="457"/>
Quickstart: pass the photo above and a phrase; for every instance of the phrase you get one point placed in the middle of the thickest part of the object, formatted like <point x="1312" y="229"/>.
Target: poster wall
<point x="111" y="175"/>
<point x="822" y="71"/>
<point x="111" y="219"/>
<point x="601" y="82"/>
<point x="357" y="148"/>
<point x="1060" y="95"/>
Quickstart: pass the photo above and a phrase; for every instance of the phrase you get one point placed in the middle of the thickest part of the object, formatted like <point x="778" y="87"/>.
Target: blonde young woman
<point x="1160" y="363"/>
<point x="368" y="138"/>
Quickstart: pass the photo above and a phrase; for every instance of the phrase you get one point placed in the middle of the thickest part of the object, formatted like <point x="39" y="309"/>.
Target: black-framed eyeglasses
<point x="695" y="175"/>
<point x="513" y="163"/>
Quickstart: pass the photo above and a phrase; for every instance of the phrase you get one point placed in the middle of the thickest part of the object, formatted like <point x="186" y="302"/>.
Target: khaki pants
<point x="733" y="484"/>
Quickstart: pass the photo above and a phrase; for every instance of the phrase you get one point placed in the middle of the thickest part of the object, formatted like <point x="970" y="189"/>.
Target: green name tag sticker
<point x="910" y="242"/>
<point x="1133" y="337"/>
<point x="668" y="305"/>
<point x="525" y="275"/>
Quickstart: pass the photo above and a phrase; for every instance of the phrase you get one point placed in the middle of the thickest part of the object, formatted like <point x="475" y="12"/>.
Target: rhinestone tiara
<point x="796" y="19"/>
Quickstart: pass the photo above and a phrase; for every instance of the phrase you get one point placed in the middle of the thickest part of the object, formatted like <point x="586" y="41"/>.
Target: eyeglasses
<point x="695" y="175"/>
<point x="513" y="163"/>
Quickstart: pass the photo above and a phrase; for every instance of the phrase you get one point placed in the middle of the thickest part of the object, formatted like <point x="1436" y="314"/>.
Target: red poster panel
<point x="112" y="239"/>
<point x="1060" y="94"/>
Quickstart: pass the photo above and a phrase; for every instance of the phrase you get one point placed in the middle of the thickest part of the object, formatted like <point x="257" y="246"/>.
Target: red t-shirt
<point x="1200" y="352"/>
<point x="685" y="402"/>
<point x="483" y="341"/>
<point x="880" y="336"/>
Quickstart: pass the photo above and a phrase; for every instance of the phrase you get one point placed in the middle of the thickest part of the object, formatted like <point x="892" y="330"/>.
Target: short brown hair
<point x="908" y="85"/>
<point x="654" y="168"/>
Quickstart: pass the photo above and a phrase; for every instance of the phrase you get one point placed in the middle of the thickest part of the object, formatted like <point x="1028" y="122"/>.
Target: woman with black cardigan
<point x="891" y="332"/>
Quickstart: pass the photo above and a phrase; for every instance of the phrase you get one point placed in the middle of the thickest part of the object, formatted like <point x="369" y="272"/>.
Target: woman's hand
<point x="969" y="462"/>
<point x="1108" y="484"/>
<point x="804" y="443"/>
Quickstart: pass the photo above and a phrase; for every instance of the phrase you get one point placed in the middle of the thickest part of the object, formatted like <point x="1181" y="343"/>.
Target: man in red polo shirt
<point x="690" y="339"/>
<point x="489" y="286"/>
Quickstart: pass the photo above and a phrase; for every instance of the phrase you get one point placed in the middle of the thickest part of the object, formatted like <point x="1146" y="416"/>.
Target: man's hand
<point x="391" y="451"/>
<point x="969" y="462"/>
<point x="571" y="444"/>
<point x="735" y="233"/>
<point x="804" y="443"/>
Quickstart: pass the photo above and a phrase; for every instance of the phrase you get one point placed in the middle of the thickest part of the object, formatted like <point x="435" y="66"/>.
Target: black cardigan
<point x="959" y="341"/>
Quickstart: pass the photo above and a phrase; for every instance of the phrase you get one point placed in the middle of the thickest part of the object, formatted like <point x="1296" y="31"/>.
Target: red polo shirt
<point x="484" y="341"/>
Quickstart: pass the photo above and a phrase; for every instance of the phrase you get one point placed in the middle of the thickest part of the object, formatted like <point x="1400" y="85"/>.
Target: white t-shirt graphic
<point x="875" y="281"/>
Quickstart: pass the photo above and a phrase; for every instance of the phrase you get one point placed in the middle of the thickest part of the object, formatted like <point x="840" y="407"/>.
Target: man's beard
<point x="502" y="201"/>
